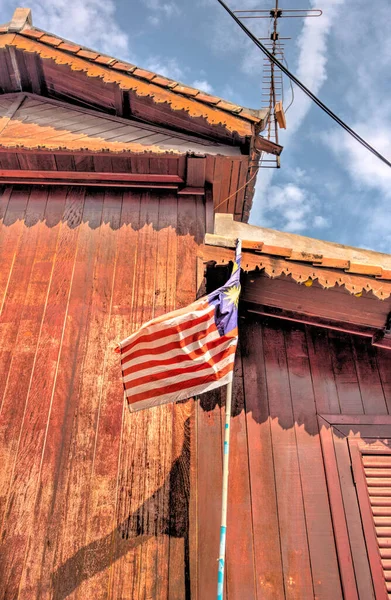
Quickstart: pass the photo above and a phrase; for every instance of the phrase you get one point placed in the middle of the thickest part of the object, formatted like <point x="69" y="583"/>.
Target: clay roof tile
<point x="68" y="47"/>
<point x="144" y="74"/>
<point x="88" y="54"/>
<point x="123" y="66"/>
<point x="51" y="40"/>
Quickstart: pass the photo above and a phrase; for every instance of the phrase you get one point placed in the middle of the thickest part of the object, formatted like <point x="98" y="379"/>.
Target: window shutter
<point x="372" y="475"/>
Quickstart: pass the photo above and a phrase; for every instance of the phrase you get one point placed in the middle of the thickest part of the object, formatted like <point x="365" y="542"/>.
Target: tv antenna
<point x="272" y="79"/>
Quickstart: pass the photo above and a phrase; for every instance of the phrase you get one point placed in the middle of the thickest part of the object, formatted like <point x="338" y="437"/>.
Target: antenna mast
<point x="272" y="79"/>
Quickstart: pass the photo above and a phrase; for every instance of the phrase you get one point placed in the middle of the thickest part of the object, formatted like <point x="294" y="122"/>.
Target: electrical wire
<point x="292" y="90"/>
<point x="238" y="190"/>
<point x="304" y="88"/>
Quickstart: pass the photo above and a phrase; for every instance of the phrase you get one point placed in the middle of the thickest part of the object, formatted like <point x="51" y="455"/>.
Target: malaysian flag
<point x="186" y="352"/>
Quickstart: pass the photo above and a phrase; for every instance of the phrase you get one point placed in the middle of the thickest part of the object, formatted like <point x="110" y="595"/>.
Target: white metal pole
<point x="223" y="528"/>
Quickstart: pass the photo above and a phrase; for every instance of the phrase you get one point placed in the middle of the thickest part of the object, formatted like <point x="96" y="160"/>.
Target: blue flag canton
<point x="226" y="299"/>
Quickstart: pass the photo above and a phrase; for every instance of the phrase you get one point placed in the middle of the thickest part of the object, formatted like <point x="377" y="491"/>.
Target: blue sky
<point x="328" y="187"/>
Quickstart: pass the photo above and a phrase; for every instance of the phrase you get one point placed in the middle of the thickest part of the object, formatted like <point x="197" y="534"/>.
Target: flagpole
<point x="223" y="527"/>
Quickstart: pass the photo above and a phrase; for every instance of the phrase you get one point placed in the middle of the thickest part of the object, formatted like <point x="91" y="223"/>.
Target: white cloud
<point x="320" y="221"/>
<point x="312" y="61"/>
<point x="364" y="47"/>
<point x="293" y="208"/>
<point x="91" y="23"/>
<point x="203" y="84"/>
<point x="165" y="67"/>
<point x="153" y="20"/>
<point x="364" y="168"/>
<point x="161" y="9"/>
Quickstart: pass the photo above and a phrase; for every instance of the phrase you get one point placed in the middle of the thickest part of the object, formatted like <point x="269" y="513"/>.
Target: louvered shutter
<point x="372" y="474"/>
<point x="377" y="469"/>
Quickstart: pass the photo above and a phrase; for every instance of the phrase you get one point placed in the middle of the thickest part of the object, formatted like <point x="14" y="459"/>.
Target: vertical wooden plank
<point x="338" y="513"/>
<point x="383" y="359"/>
<point x="240" y="542"/>
<point x="241" y="189"/>
<point x="100" y="496"/>
<point x="18" y="280"/>
<point x="225" y="185"/>
<point x="127" y="534"/>
<point x="84" y="162"/>
<point x="154" y="556"/>
<point x="136" y="568"/>
<point x="293" y="533"/>
<point x="323" y="381"/>
<point x="27" y="469"/>
<point x="210" y="167"/>
<point x="345" y="373"/>
<point x="209" y="212"/>
<point x="234" y="185"/>
<point x="268" y="565"/>
<point x="139" y="164"/>
<point x="69" y="540"/>
<point x="182" y="548"/>
<point x="353" y="518"/>
<point x="22" y="361"/>
<point x="209" y="481"/>
<point x="65" y="162"/>
<point x="217" y="182"/>
<point x="5" y="193"/>
<point x="39" y="575"/>
<point x="324" y="566"/>
<point x="195" y="176"/>
<point x="165" y="301"/>
<point x="12" y="228"/>
<point x="368" y="377"/>
<point x="103" y="164"/>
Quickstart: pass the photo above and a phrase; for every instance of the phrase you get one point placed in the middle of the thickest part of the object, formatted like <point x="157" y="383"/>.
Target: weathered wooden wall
<point x="98" y="503"/>
<point x="280" y="537"/>
<point x="91" y="502"/>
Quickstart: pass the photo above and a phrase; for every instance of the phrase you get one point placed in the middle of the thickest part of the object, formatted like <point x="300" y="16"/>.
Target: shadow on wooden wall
<point x="135" y="530"/>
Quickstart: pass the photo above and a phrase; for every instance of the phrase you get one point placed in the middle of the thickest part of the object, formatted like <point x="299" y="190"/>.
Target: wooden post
<point x="223" y="527"/>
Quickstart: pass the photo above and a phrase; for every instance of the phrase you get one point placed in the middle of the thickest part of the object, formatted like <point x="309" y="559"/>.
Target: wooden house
<point x="120" y="190"/>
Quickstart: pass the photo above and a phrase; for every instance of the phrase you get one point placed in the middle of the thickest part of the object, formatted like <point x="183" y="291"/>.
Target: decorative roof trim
<point x="19" y="135"/>
<point x="276" y="261"/>
<point x="128" y="76"/>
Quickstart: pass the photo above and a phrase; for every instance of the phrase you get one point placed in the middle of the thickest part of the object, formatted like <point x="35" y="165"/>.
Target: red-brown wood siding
<point x="98" y="503"/>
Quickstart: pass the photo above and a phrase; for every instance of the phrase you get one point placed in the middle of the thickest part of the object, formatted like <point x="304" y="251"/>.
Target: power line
<point x="292" y="77"/>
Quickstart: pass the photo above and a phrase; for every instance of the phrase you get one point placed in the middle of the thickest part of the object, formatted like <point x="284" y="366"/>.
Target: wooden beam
<point x="89" y="177"/>
<point x="192" y="191"/>
<point x="268" y="311"/>
<point x="382" y="339"/>
<point x="16" y="104"/>
<point x="264" y="145"/>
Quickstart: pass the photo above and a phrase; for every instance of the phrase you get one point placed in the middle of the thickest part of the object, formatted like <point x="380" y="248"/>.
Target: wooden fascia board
<point x="91" y="178"/>
<point x="277" y="261"/>
<point x="286" y="315"/>
<point x="195" y="109"/>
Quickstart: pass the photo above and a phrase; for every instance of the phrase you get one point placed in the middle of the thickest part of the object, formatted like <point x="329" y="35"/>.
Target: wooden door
<point x="357" y="455"/>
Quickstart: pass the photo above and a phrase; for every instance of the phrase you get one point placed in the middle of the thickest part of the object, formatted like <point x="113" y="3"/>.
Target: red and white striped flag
<point x="185" y="352"/>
